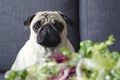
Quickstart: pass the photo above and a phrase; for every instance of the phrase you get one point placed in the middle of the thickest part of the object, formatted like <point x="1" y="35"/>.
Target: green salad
<point x="94" y="61"/>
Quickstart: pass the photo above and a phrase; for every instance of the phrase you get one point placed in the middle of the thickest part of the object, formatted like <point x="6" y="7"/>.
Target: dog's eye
<point x="59" y="26"/>
<point x="37" y="25"/>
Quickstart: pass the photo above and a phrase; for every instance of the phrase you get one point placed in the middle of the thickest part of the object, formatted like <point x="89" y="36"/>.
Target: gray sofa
<point x="93" y="19"/>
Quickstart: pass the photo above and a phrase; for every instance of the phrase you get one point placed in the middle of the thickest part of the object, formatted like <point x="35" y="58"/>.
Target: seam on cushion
<point x="87" y="18"/>
<point x="77" y="39"/>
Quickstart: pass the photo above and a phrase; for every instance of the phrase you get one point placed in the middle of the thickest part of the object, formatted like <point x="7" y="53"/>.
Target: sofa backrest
<point x="99" y="19"/>
<point x="13" y="35"/>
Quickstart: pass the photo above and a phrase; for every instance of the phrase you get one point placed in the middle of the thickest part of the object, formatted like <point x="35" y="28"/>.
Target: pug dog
<point x="48" y="31"/>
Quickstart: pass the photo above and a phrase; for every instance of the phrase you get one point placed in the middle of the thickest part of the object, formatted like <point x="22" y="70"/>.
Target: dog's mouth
<point x="48" y="38"/>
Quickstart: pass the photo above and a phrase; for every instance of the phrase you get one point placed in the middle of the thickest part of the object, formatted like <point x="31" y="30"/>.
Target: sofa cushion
<point x="2" y="76"/>
<point x="99" y="19"/>
<point x="13" y="35"/>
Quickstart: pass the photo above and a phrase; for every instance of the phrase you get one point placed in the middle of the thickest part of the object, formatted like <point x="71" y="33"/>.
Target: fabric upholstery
<point x="1" y="76"/>
<point x="99" y="19"/>
<point x="13" y="35"/>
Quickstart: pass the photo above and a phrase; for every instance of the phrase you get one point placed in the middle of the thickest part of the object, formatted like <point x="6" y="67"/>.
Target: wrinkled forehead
<point x="49" y="15"/>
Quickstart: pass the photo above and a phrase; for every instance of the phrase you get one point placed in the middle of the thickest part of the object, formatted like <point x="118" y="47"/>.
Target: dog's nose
<point x="47" y="27"/>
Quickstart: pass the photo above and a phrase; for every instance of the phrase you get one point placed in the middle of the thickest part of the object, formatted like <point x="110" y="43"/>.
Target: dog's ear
<point x="68" y="20"/>
<point x="28" y="20"/>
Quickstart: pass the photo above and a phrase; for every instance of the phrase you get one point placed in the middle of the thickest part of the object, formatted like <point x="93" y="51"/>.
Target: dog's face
<point x="48" y="28"/>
